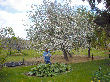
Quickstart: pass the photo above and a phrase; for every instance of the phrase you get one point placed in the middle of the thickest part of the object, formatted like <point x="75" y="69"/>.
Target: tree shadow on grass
<point x="4" y="75"/>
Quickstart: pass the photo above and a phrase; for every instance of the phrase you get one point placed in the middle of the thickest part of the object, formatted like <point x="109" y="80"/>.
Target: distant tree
<point x="58" y="26"/>
<point x="102" y="16"/>
<point x="85" y="20"/>
<point x="93" y="4"/>
<point x="7" y="35"/>
<point x="6" y="32"/>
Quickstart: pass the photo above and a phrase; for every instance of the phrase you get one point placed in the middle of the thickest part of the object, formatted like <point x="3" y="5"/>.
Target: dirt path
<point x="60" y="59"/>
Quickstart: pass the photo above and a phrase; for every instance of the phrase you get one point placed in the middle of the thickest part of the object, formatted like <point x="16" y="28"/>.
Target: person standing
<point x="47" y="56"/>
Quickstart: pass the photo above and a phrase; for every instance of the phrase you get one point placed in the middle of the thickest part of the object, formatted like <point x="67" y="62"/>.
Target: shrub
<point x="99" y="75"/>
<point x="45" y="70"/>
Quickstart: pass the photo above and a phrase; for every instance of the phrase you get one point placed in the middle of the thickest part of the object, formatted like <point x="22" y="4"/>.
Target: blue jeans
<point x="47" y="62"/>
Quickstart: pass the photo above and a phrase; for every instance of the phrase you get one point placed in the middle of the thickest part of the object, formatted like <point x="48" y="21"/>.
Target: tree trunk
<point x="10" y="51"/>
<point x="89" y="52"/>
<point x="64" y="52"/>
<point x="92" y="57"/>
<point x="65" y="56"/>
<point x="69" y="53"/>
<point x="1" y="66"/>
<point x="109" y="53"/>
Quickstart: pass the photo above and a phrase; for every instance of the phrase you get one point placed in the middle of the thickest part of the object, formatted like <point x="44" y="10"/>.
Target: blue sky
<point x="13" y="13"/>
<point x="8" y="9"/>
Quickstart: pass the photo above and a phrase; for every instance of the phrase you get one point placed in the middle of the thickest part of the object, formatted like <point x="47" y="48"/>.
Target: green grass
<point x="95" y="52"/>
<point x="26" y="54"/>
<point x="57" y="52"/>
<point x="81" y="72"/>
<point x="29" y="54"/>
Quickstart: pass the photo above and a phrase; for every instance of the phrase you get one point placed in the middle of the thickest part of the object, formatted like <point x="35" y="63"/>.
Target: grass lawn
<point x="26" y="54"/>
<point x="81" y="72"/>
<point x="95" y="52"/>
<point x="33" y="53"/>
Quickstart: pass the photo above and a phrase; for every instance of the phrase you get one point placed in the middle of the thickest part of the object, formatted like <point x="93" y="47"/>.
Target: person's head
<point x="46" y="49"/>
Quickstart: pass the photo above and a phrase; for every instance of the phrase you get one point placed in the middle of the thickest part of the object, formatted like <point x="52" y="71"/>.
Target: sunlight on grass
<point x="81" y="72"/>
<point x="27" y="54"/>
<point x="93" y="51"/>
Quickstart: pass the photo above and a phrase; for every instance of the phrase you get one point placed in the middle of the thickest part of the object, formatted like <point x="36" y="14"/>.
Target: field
<point x="28" y="54"/>
<point x="82" y="72"/>
<point x="82" y="67"/>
